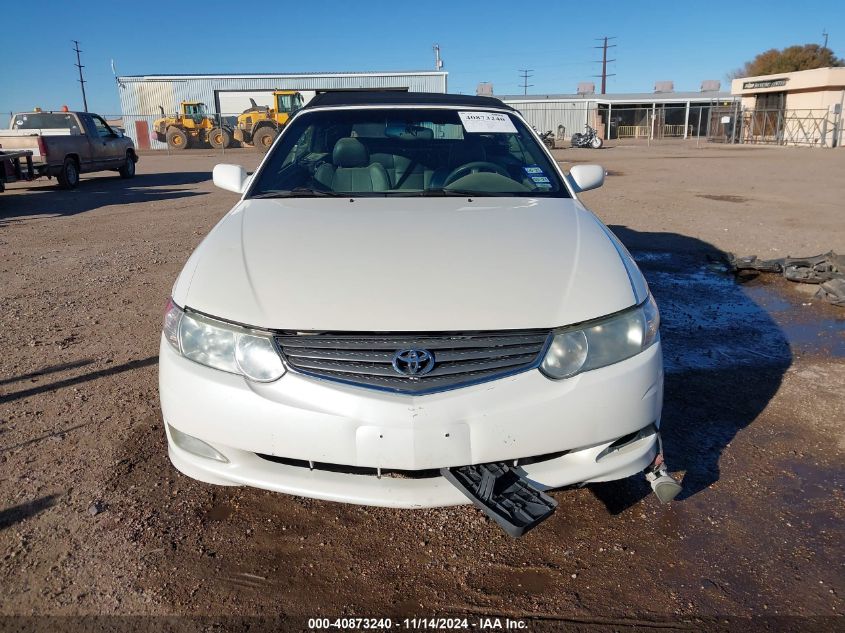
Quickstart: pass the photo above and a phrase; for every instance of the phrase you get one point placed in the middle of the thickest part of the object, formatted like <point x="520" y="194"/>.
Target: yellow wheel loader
<point x="260" y="125"/>
<point x="191" y="126"/>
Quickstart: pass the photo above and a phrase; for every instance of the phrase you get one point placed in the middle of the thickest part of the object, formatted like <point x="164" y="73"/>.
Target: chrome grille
<point x="366" y="360"/>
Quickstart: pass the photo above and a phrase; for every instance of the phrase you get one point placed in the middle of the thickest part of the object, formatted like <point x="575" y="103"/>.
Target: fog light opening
<point x="195" y="446"/>
<point x="626" y="441"/>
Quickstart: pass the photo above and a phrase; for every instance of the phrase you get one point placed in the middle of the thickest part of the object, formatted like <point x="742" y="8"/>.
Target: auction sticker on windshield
<point x="487" y="122"/>
<point x="536" y="173"/>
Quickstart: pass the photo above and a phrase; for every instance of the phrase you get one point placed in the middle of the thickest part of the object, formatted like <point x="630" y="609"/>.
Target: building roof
<point x="345" y="73"/>
<point x="630" y="97"/>
<point x="397" y="97"/>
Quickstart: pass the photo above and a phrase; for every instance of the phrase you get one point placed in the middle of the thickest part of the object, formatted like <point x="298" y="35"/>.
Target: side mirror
<point x="586" y="177"/>
<point x="231" y="178"/>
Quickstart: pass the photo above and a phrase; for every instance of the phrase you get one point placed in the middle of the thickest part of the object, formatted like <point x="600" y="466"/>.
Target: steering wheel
<point x="473" y="168"/>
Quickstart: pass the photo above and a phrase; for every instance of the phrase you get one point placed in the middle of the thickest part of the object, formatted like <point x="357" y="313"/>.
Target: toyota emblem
<point x="413" y="362"/>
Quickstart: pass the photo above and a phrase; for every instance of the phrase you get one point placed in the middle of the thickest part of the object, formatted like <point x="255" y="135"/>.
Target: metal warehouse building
<point x="141" y="96"/>
<point x="638" y="115"/>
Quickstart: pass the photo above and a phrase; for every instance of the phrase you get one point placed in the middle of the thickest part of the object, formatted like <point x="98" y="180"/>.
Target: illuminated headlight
<point x="222" y="345"/>
<point x="603" y="342"/>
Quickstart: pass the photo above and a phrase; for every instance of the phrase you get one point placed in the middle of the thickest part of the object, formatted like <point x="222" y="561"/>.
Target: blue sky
<point x="481" y="41"/>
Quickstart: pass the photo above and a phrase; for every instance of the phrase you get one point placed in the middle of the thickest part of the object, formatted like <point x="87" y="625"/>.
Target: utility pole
<point x="824" y="35"/>
<point x="80" y="67"/>
<point x="604" y="61"/>
<point x="438" y="63"/>
<point x="525" y="76"/>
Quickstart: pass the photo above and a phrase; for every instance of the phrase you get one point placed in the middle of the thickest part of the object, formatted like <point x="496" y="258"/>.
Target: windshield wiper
<point x="299" y="192"/>
<point x="452" y="192"/>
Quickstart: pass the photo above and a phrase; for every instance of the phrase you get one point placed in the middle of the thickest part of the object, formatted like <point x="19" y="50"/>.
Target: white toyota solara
<point x="409" y="285"/>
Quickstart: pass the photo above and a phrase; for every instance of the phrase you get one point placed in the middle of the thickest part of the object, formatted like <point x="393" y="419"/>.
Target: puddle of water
<point x="652" y="256"/>
<point x="709" y="321"/>
<point x="810" y="329"/>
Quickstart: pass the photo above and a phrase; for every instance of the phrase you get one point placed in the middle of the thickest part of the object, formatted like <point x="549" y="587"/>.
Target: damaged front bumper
<point x="403" y="489"/>
<point x="313" y="438"/>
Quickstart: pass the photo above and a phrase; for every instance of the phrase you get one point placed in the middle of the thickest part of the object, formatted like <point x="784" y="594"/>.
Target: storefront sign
<point x="770" y="83"/>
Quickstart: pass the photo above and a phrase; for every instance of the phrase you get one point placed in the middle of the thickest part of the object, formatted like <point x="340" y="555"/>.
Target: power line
<point x="604" y="61"/>
<point x="525" y="76"/>
<point x="80" y="67"/>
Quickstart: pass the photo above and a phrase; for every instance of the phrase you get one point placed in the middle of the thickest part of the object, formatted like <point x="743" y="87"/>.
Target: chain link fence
<point x="726" y="123"/>
<point x="822" y="127"/>
<point x="203" y="131"/>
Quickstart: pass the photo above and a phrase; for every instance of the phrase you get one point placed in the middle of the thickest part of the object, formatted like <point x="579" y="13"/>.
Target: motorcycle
<point x="548" y="139"/>
<point x="588" y="139"/>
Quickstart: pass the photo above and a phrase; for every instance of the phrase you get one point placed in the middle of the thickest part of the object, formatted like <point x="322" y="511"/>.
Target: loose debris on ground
<point x="827" y="270"/>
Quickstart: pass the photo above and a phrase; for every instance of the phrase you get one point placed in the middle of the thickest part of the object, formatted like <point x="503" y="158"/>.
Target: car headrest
<point x="350" y="152"/>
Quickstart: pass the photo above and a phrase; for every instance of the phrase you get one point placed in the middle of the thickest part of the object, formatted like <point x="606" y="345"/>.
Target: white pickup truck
<point x="66" y="144"/>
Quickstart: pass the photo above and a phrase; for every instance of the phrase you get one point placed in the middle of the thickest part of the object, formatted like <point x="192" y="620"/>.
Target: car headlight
<point x="602" y="342"/>
<point x="221" y="345"/>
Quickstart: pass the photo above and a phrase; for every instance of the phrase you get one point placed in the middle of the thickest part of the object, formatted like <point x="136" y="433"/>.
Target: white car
<point x="409" y="285"/>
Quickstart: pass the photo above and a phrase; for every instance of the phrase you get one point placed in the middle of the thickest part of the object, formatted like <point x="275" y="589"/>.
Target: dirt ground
<point x="95" y="521"/>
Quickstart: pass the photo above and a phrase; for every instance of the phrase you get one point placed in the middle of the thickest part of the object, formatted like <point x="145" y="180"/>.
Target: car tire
<point x="177" y="139"/>
<point x="68" y="177"/>
<point x="127" y="170"/>
<point x="219" y="138"/>
<point x="263" y="138"/>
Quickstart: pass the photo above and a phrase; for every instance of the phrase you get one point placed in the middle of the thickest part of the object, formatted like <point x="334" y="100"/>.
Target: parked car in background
<point x="408" y="291"/>
<point x="66" y="144"/>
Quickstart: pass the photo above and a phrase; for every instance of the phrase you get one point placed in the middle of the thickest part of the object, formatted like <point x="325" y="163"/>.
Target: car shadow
<point x="724" y="357"/>
<point x="45" y="199"/>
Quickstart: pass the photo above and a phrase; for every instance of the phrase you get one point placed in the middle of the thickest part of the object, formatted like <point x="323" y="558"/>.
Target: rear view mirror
<point x="231" y="178"/>
<point x="404" y="131"/>
<point x="586" y="177"/>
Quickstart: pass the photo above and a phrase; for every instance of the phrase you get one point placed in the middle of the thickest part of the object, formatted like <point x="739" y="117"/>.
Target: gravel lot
<point x="94" y="520"/>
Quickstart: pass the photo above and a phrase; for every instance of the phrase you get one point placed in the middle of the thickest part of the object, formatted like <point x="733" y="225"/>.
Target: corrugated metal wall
<point x="141" y="96"/>
<point x="549" y="114"/>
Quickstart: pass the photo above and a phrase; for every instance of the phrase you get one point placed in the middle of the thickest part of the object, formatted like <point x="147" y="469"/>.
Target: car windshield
<point x="45" y="121"/>
<point x="407" y="152"/>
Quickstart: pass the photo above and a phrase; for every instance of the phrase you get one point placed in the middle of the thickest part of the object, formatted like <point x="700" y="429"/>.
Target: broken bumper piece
<point x="827" y="270"/>
<point x="503" y="494"/>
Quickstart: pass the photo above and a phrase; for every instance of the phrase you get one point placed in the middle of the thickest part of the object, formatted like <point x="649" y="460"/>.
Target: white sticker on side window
<point x="487" y="122"/>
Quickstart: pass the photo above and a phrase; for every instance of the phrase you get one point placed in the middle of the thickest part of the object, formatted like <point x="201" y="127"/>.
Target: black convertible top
<point x="397" y="97"/>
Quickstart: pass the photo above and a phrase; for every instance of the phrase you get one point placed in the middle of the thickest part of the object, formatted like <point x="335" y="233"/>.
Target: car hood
<point x="409" y="264"/>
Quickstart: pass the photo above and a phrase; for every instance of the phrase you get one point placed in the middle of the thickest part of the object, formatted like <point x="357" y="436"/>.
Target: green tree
<point x="789" y="60"/>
